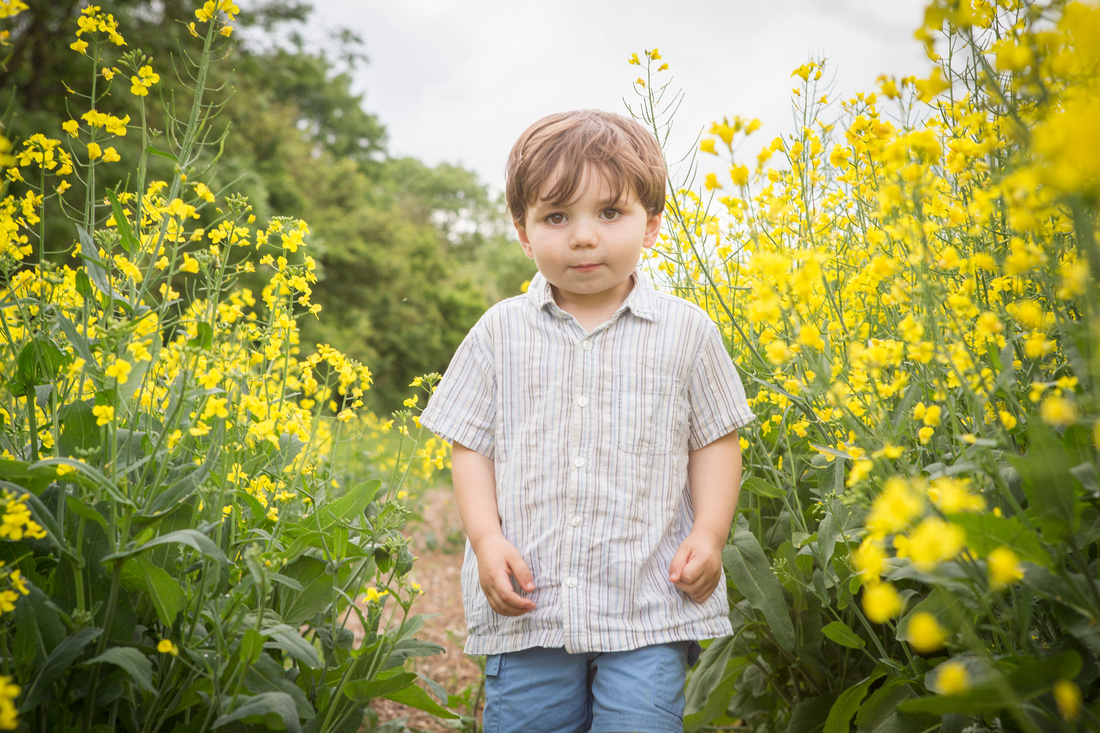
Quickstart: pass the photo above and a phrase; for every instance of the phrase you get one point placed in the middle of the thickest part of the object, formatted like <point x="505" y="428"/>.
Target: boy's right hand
<point x="497" y="562"/>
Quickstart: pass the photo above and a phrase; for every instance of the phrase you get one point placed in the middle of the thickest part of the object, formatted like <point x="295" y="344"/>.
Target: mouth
<point x="585" y="268"/>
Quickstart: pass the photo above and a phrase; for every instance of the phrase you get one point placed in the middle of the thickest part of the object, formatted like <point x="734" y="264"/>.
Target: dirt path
<point x="438" y="542"/>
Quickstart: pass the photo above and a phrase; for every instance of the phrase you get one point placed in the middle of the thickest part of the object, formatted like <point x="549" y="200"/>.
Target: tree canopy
<point x="409" y="254"/>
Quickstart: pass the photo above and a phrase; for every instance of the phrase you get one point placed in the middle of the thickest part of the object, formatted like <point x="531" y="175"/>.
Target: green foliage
<point x="909" y="285"/>
<point x="183" y="546"/>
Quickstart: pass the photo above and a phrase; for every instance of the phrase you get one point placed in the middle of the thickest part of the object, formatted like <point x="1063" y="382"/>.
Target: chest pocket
<point x="647" y="413"/>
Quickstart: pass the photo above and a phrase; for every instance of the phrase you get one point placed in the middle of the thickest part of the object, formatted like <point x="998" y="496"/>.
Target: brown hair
<point x="625" y="152"/>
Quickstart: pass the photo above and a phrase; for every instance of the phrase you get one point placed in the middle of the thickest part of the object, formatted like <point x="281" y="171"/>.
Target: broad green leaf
<point x="1029" y="679"/>
<point x="350" y="505"/>
<point x="760" y="487"/>
<point x="386" y="683"/>
<point x="189" y="537"/>
<point x="842" y="634"/>
<point x="56" y="664"/>
<point x="1050" y="487"/>
<point x="252" y="646"/>
<point x="79" y="431"/>
<point x="90" y="472"/>
<point x="269" y="708"/>
<point x="290" y="641"/>
<point x="749" y="570"/>
<point x="163" y="590"/>
<point x="267" y="675"/>
<point x="846" y="705"/>
<point x="986" y="532"/>
<point x="136" y="664"/>
<point x="415" y="697"/>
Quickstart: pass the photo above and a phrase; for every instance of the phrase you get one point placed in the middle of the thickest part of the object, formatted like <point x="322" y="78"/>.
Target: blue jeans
<point x="550" y="690"/>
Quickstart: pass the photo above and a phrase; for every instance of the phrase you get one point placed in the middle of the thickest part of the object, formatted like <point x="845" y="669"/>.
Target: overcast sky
<point x="458" y="80"/>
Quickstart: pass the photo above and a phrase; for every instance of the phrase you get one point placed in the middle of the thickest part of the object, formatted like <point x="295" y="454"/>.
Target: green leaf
<point x="352" y="504"/>
<point x="749" y="570"/>
<point x="79" y="431"/>
<point x="59" y="661"/>
<point x="760" y="487"/>
<point x="846" y="705"/>
<point x="385" y="684"/>
<point x="290" y="641"/>
<point x="268" y="675"/>
<point x="189" y="537"/>
<point x="842" y="634"/>
<point x="1047" y="482"/>
<point x="416" y="697"/>
<point x="268" y="708"/>
<point x="204" y="338"/>
<point x="163" y="590"/>
<point x="122" y="224"/>
<point x="986" y="532"/>
<point x="136" y="664"/>
<point x="90" y="472"/>
<point x="252" y="646"/>
<point x="89" y="252"/>
<point x="163" y="154"/>
<point x="1029" y="678"/>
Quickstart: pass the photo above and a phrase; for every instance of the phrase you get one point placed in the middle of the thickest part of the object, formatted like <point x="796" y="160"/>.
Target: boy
<point x="596" y="460"/>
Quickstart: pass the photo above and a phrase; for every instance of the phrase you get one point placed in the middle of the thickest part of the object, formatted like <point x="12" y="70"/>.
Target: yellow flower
<point x="869" y="558"/>
<point x="1056" y="410"/>
<point x="94" y="151"/>
<point x="411" y="401"/>
<point x="881" y="602"/>
<point x="925" y="633"/>
<point x="932" y="542"/>
<point x="951" y="678"/>
<point x="72" y="127"/>
<point x="375" y="596"/>
<point x="707" y="146"/>
<point x="120" y="370"/>
<point x="1004" y="567"/>
<point x="711" y="182"/>
<point x="893" y="509"/>
<point x="110" y="155"/>
<point x="80" y="46"/>
<point x="1067" y="695"/>
<point x="104" y="414"/>
<point x="925" y="435"/>
<point x="166" y="646"/>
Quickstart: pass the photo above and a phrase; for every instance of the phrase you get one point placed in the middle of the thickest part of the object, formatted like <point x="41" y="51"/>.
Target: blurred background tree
<point x="409" y="255"/>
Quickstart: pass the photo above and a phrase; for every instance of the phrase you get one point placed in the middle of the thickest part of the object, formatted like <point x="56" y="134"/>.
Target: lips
<point x="585" y="268"/>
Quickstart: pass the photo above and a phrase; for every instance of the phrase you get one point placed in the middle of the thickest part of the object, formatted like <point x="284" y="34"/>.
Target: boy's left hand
<point x="697" y="565"/>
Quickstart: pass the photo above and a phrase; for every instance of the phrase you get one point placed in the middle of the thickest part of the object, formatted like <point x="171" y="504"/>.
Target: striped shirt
<point x="589" y="434"/>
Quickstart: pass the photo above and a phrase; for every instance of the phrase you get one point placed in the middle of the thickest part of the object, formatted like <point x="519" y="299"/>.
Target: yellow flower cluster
<point x="143" y="80"/>
<point x="9" y="713"/>
<point x="92" y="21"/>
<point x="16" y="522"/>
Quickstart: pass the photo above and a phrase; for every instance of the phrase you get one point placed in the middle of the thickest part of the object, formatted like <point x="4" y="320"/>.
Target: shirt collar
<point x="642" y="300"/>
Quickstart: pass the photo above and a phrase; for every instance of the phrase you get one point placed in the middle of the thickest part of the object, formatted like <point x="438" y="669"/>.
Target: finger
<point x="505" y="600"/>
<point x="676" y="567"/>
<point x="522" y="574"/>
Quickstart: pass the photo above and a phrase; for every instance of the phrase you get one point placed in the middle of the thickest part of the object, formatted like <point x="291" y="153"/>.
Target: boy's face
<point x="587" y="248"/>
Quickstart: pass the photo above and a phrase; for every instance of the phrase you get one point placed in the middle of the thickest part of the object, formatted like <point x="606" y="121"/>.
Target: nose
<point x="583" y="233"/>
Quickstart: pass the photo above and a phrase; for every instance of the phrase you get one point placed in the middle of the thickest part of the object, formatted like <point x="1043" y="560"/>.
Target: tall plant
<point x="182" y="547"/>
<point x="910" y="285"/>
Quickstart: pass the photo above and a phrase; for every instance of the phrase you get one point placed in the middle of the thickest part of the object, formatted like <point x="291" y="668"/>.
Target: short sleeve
<point x="715" y="393"/>
<point x="462" y="409"/>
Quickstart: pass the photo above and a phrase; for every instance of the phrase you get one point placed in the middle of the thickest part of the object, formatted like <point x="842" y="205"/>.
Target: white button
<point x="570" y="582"/>
<point x="579" y="461"/>
<point x="576" y="520"/>
<point x="586" y="345"/>
<point x="582" y="401"/>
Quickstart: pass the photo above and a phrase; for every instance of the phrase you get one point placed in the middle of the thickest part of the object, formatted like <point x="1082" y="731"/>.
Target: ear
<point x="652" y="229"/>
<point x="524" y="241"/>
